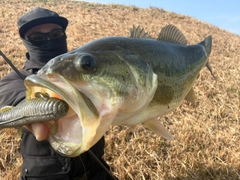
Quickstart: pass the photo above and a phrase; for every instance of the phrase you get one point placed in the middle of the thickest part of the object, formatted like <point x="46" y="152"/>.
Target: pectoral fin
<point x="158" y="128"/>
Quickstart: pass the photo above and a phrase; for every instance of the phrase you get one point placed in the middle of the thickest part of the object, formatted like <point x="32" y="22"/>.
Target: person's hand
<point x="39" y="130"/>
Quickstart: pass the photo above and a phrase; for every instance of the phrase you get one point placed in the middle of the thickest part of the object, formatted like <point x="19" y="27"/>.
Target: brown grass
<point x="206" y="141"/>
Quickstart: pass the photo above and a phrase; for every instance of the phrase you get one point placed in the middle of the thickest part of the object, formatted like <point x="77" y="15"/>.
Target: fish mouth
<point x="71" y="135"/>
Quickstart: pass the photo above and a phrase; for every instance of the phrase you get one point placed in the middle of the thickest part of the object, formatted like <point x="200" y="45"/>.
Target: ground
<point x="206" y="137"/>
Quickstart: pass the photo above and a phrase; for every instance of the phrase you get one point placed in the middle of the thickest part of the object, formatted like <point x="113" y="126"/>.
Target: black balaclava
<point x="42" y="54"/>
<point x="35" y="17"/>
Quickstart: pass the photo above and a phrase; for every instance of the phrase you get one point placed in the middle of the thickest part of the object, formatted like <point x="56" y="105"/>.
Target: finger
<point x="40" y="131"/>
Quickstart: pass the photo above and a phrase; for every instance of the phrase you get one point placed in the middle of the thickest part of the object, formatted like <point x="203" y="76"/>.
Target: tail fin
<point x="210" y="69"/>
<point x="207" y="43"/>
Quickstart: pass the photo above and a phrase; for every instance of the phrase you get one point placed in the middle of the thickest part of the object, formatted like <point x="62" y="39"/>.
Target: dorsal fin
<point x="138" y="32"/>
<point x="171" y="33"/>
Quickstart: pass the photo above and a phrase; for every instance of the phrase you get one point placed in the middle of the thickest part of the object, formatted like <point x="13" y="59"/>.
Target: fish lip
<point x="43" y="81"/>
<point x="34" y="80"/>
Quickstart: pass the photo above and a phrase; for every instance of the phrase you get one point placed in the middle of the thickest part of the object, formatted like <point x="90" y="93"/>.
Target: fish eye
<point x="86" y="63"/>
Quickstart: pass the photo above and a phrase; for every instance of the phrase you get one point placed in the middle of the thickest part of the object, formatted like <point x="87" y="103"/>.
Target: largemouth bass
<point x="121" y="81"/>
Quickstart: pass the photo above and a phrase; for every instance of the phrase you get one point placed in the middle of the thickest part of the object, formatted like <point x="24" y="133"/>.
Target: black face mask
<point x="42" y="54"/>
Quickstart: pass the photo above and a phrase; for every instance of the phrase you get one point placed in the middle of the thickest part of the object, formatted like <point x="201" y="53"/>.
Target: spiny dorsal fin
<point x="172" y="34"/>
<point x="138" y="32"/>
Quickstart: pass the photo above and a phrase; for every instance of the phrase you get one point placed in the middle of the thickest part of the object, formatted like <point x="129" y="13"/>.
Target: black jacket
<point x="40" y="161"/>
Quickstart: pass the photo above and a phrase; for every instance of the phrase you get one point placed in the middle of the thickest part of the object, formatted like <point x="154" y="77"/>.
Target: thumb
<point x="40" y="131"/>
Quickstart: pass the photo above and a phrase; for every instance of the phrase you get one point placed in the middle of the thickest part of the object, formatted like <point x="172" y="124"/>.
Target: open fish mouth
<point x="66" y="134"/>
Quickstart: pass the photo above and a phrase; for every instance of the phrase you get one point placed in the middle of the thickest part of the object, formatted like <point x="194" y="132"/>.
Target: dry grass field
<point x="206" y="143"/>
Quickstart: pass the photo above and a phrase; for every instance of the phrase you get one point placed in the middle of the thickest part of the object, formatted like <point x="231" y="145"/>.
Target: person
<point x="43" y="34"/>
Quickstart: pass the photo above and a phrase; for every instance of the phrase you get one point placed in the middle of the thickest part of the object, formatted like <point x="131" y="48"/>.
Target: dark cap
<point x="39" y="16"/>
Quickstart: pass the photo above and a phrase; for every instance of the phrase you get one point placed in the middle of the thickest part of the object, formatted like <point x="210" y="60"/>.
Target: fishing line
<point x="11" y="64"/>
<point x="101" y="165"/>
<point x="84" y="168"/>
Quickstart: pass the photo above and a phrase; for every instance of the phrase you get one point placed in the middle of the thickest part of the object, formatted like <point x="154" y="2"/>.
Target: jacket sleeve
<point x="12" y="90"/>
